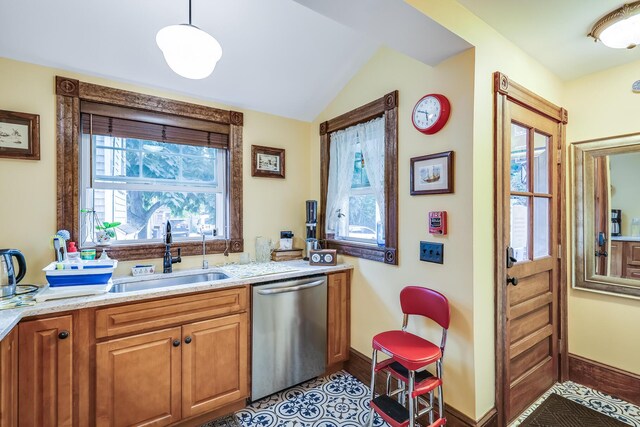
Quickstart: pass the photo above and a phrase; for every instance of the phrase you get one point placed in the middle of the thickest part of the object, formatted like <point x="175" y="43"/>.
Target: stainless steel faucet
<point x="168" y="260"/>
<point x="205" y="263"/>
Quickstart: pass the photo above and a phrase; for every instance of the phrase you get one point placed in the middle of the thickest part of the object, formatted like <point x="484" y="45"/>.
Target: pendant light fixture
<point x="189" y="51"/>
<point x="619" y="29"/>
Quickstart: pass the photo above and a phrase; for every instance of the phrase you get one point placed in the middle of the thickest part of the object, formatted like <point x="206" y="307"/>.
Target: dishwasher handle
<point x="290" y="288"/>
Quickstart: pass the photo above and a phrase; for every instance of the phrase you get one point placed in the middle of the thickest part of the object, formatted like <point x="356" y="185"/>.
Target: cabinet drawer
<point x="145" y="316"/>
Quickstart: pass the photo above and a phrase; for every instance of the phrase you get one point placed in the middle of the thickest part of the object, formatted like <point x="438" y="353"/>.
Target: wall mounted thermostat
<point x="438" y="222"/>
<point x="323" y="257"/>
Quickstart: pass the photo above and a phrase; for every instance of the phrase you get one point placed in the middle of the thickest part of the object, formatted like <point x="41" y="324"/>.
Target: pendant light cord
<point x="189" y="12"/>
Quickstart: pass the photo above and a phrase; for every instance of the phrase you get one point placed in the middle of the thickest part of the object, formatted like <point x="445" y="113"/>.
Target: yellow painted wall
<point x="376" y="286"/>
<point x="603" y="327"/>
<point x="624" y="179"/>
<point x="492" y="53"/>
<point x="28" y="190"/>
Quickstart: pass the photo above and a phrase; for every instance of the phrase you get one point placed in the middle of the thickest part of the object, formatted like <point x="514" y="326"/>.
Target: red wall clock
<point x="431" y="113"/>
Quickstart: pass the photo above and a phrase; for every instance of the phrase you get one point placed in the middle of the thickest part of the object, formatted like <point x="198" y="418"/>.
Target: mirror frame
<point x="583" y="154"/>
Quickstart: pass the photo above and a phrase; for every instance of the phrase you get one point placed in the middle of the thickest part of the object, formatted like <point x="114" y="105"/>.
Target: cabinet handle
<point x="63" y="335"/>
<point x="187" y="340"/>
<point x="176" y="343"/>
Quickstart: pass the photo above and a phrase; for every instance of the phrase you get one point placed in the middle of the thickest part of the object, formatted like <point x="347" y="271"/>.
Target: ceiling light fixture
<point x="189" y="51"/>
<point x="619" y="29"/>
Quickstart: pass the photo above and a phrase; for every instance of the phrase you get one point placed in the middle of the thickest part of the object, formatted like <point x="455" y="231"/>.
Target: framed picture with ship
<point x="432" y="174"/>
<point x="19" y="135"/>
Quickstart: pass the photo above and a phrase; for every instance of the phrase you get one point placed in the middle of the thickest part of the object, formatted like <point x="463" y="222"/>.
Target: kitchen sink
<point x="163" y="282"/>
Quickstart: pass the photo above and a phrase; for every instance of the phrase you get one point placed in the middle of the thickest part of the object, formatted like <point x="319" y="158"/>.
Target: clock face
<point x="427" y="112"/>
<point x="328" y="258"/>
<point x="315" y="258"/>
<point x="431" y="113"/>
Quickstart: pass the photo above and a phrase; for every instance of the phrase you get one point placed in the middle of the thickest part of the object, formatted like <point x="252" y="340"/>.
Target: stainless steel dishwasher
<point x="289" y="334"/>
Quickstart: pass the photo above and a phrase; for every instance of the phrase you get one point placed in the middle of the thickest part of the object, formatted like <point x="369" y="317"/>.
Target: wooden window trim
<point x="69" y="95"/>
<point x="387" y="107"/>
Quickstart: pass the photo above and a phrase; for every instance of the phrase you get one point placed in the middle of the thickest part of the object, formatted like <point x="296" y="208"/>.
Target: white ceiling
<point x="279" y="56"/>
<point x="555" y="32"/>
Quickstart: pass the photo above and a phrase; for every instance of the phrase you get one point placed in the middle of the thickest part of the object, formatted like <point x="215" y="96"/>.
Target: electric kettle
<point x="8" y="277"/>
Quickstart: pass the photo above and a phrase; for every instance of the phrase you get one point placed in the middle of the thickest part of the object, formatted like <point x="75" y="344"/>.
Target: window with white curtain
<point x="356" y="189"/>
<point x="358" y="210"/>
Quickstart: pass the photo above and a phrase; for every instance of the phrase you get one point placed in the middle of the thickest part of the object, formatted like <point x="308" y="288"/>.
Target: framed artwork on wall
<point x="432" y="174"/>
<point x="19" y="135"/>
<point x="267" y="162"/>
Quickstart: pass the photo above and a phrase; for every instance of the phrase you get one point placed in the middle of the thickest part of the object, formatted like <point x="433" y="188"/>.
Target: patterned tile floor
<point x="611" y="406"/>
<point x="340" y="400"/>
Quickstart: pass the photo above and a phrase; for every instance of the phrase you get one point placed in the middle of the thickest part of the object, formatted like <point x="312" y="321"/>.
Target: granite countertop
<point x="238" y="275"/>
<point x="625" y="238"/>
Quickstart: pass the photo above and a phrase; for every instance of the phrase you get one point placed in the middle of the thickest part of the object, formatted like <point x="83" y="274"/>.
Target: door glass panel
<point x="520" y="227"/>
<point x="540" y="163"/>
<point x="540" y="227"/>
<point x="519" y="155"/>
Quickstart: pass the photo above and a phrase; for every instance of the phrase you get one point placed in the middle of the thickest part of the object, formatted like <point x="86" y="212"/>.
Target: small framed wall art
<point x="432" y="174"/>
<point x="267" y="162"/>
<point x="19" y="135"/>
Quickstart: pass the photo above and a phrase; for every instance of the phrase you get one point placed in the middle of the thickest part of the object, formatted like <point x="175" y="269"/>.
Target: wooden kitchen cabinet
<point x="160" y="377"/>
<point x="138" y="379"/>
<point x="9" y="380"/>
<point x="338" y="317"/>
<point x="219" y="348"/>
<point x="45" y="388"/>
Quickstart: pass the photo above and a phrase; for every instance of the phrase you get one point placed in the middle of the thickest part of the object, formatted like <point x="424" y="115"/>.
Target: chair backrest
<point x="425" y="302"/>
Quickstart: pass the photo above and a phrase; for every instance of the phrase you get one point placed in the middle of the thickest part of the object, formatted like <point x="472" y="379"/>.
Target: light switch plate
<point x="432" y="252"/>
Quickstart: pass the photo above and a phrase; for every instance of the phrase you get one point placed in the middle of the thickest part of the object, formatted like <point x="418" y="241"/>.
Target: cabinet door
<point x="9" y="380"/>
<point x="338" y="317"/>
<point x="616" y="260"/>
<point x="45" y="394"/>
<point x="214" y="363"/>
<point x="632" y="252"/>
<point x="138" y="379"/>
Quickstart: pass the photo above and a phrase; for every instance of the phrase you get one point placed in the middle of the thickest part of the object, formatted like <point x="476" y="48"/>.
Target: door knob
<point x="187" y="340"/>
<point x="512" y="280"/>
<point x="63" y="335"/>
<point x="176" y="343"/>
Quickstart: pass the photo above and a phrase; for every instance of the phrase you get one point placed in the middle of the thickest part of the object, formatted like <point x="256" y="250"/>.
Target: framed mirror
<point x="606" y="215"/>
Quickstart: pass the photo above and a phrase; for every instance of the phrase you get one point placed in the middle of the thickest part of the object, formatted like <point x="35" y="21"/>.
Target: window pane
<point x="519" y="156"/>
<point x="520" y="227"/>
<point x="143" y="214"/>
<point x="540" y="163"/>
<point x="362" y="217"/>
<point x="360" y="178"/>
<point x="199" y="168"/>
<point x="540" y="227"/>
<point x="160" y="166"/>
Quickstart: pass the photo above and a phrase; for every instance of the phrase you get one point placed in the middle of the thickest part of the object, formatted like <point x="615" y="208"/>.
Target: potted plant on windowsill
<point x="105" y="232"/>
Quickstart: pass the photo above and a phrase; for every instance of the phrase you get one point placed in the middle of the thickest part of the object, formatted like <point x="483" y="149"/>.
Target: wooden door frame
<point x="506" y="90"/>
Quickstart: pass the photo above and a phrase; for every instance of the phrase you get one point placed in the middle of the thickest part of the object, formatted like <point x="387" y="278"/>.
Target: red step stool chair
<point x="408" y="354"/>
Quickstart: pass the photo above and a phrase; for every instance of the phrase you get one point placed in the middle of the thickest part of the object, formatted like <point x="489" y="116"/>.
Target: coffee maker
<point x="616" y="222"/>
<point x="311" y="242"/>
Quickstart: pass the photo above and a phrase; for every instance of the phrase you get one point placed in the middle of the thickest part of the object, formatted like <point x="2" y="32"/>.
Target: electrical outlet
<point x="432" y="252"/>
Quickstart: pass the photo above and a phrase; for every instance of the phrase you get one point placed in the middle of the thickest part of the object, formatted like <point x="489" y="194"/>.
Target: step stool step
<point x="391" y="410"/>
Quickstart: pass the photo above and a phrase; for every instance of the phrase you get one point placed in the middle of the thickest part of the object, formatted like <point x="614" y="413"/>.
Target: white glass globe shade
<point x="622" y="34"/>
<point x="189" y="51"/>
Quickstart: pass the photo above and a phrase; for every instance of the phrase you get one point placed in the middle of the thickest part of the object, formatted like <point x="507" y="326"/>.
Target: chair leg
<point x="388" y="383"/>
<point x="401" y="395"/>
<point x="374" y="358"/>
<point x="431" y="404"/>
<point x="440" y="396"/>
<point x="412" y="409"/>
